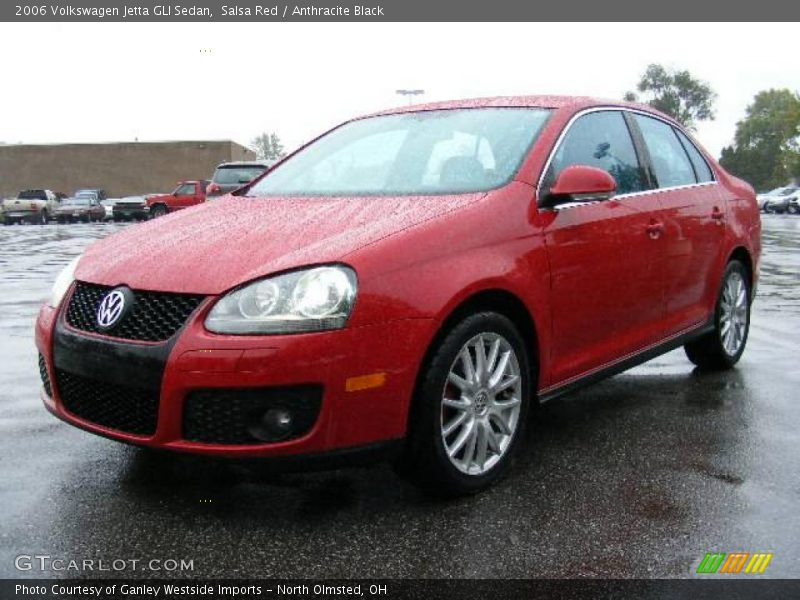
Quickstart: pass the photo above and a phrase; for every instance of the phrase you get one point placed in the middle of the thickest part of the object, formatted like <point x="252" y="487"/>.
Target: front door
<point x="184" y="196"/>
<point x="607" y="294"/>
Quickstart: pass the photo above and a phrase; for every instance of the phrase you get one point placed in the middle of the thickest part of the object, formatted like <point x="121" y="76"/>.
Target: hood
<point x="213" y="247"/>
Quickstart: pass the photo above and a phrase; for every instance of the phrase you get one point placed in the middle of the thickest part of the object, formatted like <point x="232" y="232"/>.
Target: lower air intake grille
<point x="124" y="408"/>
<point x="45" y="377"/>
<point x="229" y="416"/>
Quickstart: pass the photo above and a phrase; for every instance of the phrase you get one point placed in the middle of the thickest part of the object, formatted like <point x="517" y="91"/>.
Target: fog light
<point x="274" y="425"/>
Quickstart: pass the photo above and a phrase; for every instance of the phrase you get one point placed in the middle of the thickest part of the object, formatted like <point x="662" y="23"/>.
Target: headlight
<point x="63" y="281"/>
<point x="314" y="299"/>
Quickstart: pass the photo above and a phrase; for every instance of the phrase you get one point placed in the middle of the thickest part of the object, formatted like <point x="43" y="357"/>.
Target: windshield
<point x="427" y="152"/>
<point x="237" y="175"/>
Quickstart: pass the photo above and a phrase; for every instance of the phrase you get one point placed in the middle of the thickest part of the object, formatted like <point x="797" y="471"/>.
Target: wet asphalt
<point x="638" y="476"/>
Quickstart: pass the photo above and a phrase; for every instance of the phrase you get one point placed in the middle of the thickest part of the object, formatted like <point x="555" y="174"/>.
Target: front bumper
<point x="350" y="416"/>
<point x="130" y="212"/>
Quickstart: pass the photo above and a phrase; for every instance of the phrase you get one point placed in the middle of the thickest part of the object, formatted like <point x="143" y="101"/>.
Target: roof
<point x="557" y="102"/>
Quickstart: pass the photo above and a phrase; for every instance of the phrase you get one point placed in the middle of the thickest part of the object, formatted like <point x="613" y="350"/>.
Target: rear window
<point x="32" y="195"/>
<point x="237" y="175"/>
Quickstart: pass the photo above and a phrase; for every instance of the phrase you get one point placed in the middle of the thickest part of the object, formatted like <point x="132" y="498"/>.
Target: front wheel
<point x="722" y="348"/>
<point x="470" y="407"/>
<point x="159" y="210"/>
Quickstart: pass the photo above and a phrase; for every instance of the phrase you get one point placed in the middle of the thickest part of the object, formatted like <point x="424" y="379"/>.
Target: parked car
<point x="98" y="194"/>
<point x="31" y="206"/>
<point x="131" y="208"/>
<point x="777" y="200"/>
<point x="410" y="283"/>
<point x="84" y="208"/>
<point x="230" y="176"/>
<point x="108" y="207"/>
<point x="188" y="193"/>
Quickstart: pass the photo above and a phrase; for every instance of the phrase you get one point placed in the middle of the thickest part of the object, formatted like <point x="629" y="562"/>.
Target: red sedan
<point x="408" y="285"/>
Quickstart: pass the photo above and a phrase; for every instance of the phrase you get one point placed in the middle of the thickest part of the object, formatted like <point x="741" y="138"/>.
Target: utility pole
<point x="410" y="94"/>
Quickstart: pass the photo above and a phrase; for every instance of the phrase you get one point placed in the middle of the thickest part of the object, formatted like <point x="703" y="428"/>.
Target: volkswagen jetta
<point x="408" y="285"/>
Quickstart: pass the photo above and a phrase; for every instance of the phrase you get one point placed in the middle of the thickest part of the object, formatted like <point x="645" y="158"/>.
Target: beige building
<point x="122" y="169"/>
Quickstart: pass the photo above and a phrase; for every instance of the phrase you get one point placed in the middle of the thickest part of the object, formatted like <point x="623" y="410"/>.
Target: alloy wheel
<point x="733" y="313"/>
<point x="481" y="404"/>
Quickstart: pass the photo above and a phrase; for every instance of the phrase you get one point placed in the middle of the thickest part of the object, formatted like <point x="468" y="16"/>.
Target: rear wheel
<point x="470" y="407"/>
<point x="43" y="218"/>
<point x="793" y="209"/>
<point x="722" y="348"/>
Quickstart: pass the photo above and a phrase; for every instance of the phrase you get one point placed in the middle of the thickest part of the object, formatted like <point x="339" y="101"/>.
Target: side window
<point x="602" y="140"/>
<point x="187" y="189"/>
<point x="701" y="168"/>
<point x="671" y="164"/>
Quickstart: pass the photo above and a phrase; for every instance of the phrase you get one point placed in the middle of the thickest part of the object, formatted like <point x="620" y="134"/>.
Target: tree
<point x="676" y="93"/>
<point x="765" y="151"/>
<point x="268" y="146"/>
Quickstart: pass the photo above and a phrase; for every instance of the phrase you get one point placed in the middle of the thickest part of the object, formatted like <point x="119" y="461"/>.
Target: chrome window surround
<point x="594" y="109"/>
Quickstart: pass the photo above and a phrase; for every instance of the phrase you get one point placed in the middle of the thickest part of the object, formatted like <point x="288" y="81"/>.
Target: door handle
<point x="654" y="229"/>
<point x="718" y="215"/>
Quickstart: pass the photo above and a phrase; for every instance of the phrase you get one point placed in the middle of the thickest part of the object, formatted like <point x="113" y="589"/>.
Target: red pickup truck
<point x="188" y="193"/>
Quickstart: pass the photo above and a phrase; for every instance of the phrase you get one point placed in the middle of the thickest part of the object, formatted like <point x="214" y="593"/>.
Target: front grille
<point x="124" y="408"/>
<point x="45" y="377"/>
<point x="155" y="317"/>
<point x="229" y="416"/>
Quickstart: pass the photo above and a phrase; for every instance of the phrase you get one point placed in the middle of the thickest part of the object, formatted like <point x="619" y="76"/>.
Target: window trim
<point x="680" y="134"/>
<point x="648" y="167"/>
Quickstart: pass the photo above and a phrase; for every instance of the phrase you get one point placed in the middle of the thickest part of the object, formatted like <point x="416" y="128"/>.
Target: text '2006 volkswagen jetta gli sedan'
<point x="409" y="283"/>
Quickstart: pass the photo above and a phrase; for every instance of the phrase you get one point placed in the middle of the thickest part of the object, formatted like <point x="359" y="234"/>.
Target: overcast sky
<point x="167" y="81"/>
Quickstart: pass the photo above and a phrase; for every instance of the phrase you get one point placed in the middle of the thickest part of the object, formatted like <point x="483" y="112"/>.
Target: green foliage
<point x="765" y="151"/>
<point x="676" y="93"/>
<point x="268" y="146"/>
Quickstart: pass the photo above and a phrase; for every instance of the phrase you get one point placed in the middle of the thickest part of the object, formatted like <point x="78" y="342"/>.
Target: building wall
<point x="122" y="169"/>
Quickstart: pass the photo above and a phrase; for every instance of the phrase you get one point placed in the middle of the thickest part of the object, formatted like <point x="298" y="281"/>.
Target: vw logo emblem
<point x="111" y="309"/>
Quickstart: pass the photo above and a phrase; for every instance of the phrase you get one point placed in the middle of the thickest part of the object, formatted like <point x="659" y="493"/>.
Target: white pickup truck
<point x="33" y="206"/>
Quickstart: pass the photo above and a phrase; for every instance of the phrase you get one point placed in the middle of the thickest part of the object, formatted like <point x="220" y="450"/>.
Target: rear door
<point x="694" y="210"/>
<point x="607" y="295"/>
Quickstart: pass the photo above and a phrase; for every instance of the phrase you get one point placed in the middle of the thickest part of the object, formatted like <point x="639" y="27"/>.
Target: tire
<point x="159" y="210"/>
<point x="722" y="348"/>
<point x="43" y="219"/>
<point x="446" y="397"/>
<point x="793" y="209"/>
<point x="767" y="207"/>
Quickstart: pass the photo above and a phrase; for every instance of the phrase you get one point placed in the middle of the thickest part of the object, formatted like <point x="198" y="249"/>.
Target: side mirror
<point x="580" y="183"/>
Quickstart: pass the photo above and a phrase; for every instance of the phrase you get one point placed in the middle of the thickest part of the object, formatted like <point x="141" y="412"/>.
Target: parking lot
<point x="638" y="476"/>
